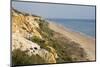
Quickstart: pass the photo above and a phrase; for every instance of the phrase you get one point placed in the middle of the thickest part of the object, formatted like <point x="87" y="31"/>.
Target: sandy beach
<point x="86" y="42"/>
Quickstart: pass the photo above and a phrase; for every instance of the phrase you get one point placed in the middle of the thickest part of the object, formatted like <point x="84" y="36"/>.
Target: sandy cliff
<point x="25" y="27"/>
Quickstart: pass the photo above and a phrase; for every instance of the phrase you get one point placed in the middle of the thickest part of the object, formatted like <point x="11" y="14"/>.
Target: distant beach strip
<point x="85" y="27"/>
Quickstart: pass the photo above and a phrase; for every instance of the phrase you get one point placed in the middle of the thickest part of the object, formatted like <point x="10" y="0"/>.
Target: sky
<point x="56" y="10"/>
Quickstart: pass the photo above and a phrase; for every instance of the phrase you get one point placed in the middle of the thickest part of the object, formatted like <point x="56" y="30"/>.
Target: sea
<point x="84" y="26"/>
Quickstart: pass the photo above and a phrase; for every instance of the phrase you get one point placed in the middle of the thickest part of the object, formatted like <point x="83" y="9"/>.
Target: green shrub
<point x="44" y="27"/>
<point x="38" y="41"/>
<point x="21" y="58"/>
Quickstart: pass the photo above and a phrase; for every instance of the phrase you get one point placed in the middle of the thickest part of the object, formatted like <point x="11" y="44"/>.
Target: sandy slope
<point x="87" y="43"/>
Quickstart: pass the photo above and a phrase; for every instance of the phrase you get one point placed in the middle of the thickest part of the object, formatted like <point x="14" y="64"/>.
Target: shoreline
<point x="85" y="42"/>
<point x="72" y="30"/>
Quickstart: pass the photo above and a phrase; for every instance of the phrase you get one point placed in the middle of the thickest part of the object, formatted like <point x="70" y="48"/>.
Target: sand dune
<point x="86" y="42"/>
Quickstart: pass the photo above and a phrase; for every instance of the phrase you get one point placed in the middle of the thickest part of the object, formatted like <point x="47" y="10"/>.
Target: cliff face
<point x="25" y="27"/>
<point x="32" y="36"/>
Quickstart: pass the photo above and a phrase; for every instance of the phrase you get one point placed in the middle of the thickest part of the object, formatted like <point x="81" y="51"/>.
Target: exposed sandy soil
<point x="86" y="42"/>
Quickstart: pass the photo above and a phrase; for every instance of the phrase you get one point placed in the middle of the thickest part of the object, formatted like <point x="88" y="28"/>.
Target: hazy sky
<point x="56" y="10"/>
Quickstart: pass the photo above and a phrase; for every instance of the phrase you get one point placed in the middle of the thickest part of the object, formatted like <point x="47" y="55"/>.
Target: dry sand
<point x="86" y="42"/>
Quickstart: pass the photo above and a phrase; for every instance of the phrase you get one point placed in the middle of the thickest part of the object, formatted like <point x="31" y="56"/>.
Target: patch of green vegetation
<point x="68" y="51"/>
<point x="63" y="57"/>
<point x="40" y="42"/>
<point x="44" y="27"/>
<point x="37" y="40"/>
<point x="21" y="58"/>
